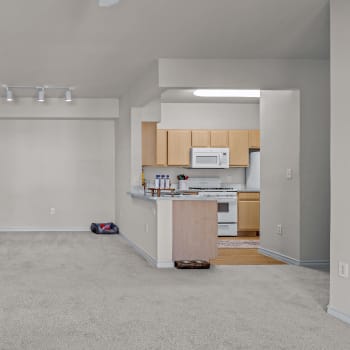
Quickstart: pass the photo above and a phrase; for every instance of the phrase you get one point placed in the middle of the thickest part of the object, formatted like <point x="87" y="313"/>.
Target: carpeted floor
<point x="82" y="291"/>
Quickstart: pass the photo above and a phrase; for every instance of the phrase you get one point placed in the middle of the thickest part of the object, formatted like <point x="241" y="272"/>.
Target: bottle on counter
<point x="162" y="181"/>
<point x="157" y="181"/>
<point x="167" y="181"/>
<point x="143" y="182"/>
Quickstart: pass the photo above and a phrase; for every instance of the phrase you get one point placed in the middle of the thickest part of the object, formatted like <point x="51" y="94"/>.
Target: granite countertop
<point x="148" y="197"/>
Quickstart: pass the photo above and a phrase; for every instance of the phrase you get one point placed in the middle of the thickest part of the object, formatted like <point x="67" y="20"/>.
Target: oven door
<point x="227" y="210"/>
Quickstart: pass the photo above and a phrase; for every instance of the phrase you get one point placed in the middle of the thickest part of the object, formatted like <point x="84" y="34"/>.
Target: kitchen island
<point x="176" y="228"/>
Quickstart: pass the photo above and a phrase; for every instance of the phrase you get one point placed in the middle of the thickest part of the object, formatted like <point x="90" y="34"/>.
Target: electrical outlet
<point x="279" y="229"/>
<point x="52" y="211"/>
<point x="146" y="228"/>
<point x="289" y="174"/>
<point x="343" y="269"/>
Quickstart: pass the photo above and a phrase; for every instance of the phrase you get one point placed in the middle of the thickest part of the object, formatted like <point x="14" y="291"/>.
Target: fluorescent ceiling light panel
<point x="226" y="93"/>
<point x="107" y="3"/>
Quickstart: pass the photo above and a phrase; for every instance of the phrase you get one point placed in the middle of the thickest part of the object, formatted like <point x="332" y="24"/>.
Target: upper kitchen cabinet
<point x="239" y="148"/>
<point x="149" y="143"/>
<point x="179" y="145"/>
<point x="219" y="138"/>
<point x="254" y="139"/>
<point x="200" y="138"/>
<point x="162" y="147"/>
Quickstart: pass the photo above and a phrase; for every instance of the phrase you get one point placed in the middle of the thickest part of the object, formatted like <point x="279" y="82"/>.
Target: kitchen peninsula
<point x="181" y="228"/>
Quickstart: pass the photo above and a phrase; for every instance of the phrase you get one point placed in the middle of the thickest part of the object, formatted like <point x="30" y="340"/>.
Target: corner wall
<point x="339" y="304"/>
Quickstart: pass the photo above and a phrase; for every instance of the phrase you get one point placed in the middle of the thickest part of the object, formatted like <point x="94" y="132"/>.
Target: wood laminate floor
<point x="242" y="256"/>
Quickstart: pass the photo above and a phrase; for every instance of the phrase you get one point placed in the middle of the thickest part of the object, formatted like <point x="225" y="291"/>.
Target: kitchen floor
<point x="242" y="256"/>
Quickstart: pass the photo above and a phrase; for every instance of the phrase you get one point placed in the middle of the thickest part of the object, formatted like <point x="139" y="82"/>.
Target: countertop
<point x="175" y="198"/>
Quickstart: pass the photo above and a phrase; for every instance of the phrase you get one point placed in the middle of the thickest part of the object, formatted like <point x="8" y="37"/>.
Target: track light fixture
<point x="40" y="91"/>
<point x="41" y="94"/>
<point x="68" y="95"/>
<point x="9" y="94"/>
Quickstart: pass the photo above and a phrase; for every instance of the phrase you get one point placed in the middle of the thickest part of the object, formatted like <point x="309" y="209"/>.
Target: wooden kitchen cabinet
<point x="254" y="139"/>
<point x="219" y="138"/>
<point x="162" y="147"/>
<point x="248" y="213"/>
<point x="179" y="145"/>
<point x="149" y="143"/>
<point x="194" y="230"/>
<point x="200" y="138"/>
<point x="239" y="148"/>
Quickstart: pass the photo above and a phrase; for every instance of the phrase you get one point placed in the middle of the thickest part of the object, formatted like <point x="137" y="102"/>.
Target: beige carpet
<point x="81" y="291"/>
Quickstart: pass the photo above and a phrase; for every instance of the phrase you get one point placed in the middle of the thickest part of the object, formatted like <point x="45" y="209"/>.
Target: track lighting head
<point x="40" y="90"/>
<point x="68" y="96"/>
<point x="41" y="94"/>
<point x="9" y="94"/>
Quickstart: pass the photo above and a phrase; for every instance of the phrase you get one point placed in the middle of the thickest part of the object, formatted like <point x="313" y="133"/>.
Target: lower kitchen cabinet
<point x="248" y="212"/>
<point x="194" y="230"/>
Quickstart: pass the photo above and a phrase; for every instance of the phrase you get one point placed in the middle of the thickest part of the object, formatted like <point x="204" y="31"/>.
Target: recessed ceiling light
<point x="107" y="3"/>
<point x="226" y="93"/>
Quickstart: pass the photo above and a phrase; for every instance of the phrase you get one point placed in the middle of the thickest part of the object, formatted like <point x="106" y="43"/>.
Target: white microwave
<point x="205" y="158"/>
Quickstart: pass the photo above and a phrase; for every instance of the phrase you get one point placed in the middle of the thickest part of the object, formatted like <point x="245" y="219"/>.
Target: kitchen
<point x="219" y="127"/>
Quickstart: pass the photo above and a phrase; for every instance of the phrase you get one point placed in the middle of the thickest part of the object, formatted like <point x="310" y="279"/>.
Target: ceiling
<point x="101" y="51"/>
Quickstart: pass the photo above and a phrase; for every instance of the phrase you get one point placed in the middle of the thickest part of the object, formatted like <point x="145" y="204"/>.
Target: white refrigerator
<point x="253" y="171"/>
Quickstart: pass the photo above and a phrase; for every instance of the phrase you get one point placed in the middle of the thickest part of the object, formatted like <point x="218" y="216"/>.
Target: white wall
<point x="131" y="214"/>
<point x="280" y="197"/>
<point x="340" y="164"/>
<point x="311" y="77"/>
<point x="79" y="108"/>
<point x="209" y="116"/>
<point x="63" y="164"/>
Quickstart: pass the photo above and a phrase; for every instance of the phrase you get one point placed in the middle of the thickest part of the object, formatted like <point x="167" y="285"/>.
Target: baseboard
<point x="44" y="229"/>
<point x="292" y="261"/>
<point x="339" y="315"/>
<point x="165" y="264"/>
<point x="152" y="261"/>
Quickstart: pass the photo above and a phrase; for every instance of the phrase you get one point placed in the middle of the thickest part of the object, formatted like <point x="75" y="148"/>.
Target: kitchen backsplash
<point x="231" y="175"/>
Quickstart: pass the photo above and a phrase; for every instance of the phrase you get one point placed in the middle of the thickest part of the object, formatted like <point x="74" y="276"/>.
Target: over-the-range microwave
<point x="205" y="158"/>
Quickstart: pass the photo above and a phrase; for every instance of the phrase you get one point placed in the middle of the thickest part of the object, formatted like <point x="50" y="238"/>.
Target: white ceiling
<point x="101" y="51"/>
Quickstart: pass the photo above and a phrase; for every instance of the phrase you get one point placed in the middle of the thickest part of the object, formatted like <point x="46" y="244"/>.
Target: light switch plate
<point x="343" y="269"/>
<point x="289" y="173"/>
